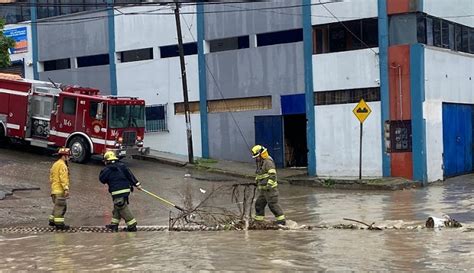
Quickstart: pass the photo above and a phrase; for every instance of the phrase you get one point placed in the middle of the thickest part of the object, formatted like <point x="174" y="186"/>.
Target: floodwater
<point x="333" y="250"/>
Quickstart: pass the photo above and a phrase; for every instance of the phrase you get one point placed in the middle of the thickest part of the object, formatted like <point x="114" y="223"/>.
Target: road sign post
<point x="361" y="111"/>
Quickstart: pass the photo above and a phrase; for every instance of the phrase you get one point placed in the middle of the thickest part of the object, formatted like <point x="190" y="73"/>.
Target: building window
<point x="370" y="28"/>
<point x="155" y="116"/>
<point x="321" y="39"/>
<point x="94" y="60"/>
<point x="173" y="51"/>
<point x="442" y="33"/>
<point x="193" y="107"/>
<point x="136" y="55"/>
<point x="240" y="104"/>
<point x="458" y="38"/>
<point x="471" y="41"/>
<point x="280" y="37"/>
<point x="229" y="44"/>
<point x="69" y="106"/>
<point x="228" y="105"/>
<point x="445" y="35"/>
<point x="346" y="96"/>
<point x="437" y="32"/>
<point x="57" y="64"/>
<point x="353" y="35"/>
<point x="465" y="39"/>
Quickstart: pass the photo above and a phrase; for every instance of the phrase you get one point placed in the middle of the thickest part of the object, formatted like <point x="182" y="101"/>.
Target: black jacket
<point x="119" y="178"/>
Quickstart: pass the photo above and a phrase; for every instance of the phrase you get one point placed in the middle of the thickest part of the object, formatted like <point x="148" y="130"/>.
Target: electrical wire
<point x="153" y="12"/>
<point x="352" y="33"/>
<point x="219" y="89"/>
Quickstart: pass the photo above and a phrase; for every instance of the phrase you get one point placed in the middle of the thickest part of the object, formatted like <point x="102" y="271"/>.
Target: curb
<point x="161" y="160"/>
<point x="355" y="184"/>
<point x="219" y="171"/>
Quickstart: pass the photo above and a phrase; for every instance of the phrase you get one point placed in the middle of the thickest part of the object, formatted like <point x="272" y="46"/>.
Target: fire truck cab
<point x="46" y="115"/>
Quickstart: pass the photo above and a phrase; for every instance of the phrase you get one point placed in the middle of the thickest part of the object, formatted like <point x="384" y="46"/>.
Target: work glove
<point x="66" y="193"/>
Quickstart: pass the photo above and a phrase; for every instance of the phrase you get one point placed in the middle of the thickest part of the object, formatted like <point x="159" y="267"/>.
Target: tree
<point x="5" y="44"/>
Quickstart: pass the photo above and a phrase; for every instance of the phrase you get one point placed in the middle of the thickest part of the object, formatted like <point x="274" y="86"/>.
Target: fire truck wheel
<point x="80" y="150"/>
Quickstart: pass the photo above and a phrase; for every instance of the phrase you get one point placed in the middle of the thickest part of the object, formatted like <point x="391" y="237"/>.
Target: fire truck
<point x="46" y="115"/>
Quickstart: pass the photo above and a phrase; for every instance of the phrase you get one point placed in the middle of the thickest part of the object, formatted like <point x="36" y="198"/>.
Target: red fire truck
<point x="45" y="115"/>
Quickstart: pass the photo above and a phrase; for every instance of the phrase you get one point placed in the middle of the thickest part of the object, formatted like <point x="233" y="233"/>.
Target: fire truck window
<point x="93" y="109"/>
<point x="69" y="106"/>
<point x="119" y="115"/>
<point x="137" y="116"/>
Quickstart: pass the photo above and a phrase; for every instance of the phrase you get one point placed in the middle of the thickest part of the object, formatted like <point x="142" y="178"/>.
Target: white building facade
<point x="287" y="74"/>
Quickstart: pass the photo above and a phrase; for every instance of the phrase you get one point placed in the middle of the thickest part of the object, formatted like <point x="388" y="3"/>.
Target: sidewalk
<point x="293" y="176"/>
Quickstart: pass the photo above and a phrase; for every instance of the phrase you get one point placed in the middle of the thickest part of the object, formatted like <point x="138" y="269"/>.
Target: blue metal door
<point x="457" y="139"/>
<point x="269" y="133"/>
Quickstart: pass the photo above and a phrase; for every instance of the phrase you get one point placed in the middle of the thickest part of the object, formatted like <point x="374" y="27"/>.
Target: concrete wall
<point x="58" y="39"/>
<point x="150" y="28"/>
<point x="337" y="141"/>
<point x="246" y="18"/>
<point x="271" y="70"/>
<point x="459" y="11"/>
<point x="158" y="81"/>
<point x="342" y="10"/>
<point x="83" y="37"/>
<point x="94" y="77"/>
<point x="355" y="69"/>
<point x="449" y="77"/>
<point x="337" y="129"/>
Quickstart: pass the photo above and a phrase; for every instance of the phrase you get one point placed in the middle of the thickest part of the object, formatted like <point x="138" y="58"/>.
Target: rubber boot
<point x="281" y="222"/>
<point x="112" y="227"/>
<point x="61" y="227"/>
<point x="52" y="224"/>
<point x="132" y="228"/>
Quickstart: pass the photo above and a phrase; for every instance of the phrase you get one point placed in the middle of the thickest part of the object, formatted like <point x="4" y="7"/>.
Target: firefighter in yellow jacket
<point x="267" y="185"/>
<point x="59" y="178"/>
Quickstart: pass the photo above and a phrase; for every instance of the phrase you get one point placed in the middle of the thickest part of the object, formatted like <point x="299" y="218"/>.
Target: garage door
<point x="457" y="139"/>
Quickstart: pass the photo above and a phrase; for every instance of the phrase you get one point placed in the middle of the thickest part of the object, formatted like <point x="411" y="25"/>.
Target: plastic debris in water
<point x="202" y="191"/>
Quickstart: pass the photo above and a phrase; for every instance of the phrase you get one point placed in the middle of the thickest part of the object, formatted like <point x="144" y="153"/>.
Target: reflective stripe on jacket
<point x="59" y="177"/>
<point x="266" y="177"/>
<point x="119" y="178"/>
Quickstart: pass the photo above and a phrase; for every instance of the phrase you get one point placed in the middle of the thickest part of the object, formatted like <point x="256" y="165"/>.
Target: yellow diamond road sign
<point x="362" y="110"/>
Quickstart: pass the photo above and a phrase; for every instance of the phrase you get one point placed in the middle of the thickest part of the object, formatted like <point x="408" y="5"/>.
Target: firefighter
<point x="121" y="181"/>
<point x="59" y="178"/>
<point x="267" y="185"/>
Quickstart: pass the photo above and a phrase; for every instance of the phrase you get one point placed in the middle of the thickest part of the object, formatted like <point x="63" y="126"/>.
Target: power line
<point x="52" y="20"/>
<point x="352" y="33"/>
<point x="219" y="89"/>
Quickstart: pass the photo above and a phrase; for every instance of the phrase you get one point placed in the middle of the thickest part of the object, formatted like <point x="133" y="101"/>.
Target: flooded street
<point x="362" y="250"/>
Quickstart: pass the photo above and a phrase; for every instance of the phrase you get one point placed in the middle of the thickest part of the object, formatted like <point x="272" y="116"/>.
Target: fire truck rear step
<point x="39" y="142"/>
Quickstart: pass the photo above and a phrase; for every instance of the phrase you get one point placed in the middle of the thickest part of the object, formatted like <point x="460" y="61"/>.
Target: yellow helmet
<point x="257" y="150"/>
<point x="64" y="151"/>
<point x="110" y="156"/>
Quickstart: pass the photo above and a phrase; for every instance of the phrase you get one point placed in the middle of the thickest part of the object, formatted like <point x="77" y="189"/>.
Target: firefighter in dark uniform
<point x="267" y="185"/>
<point x="59" y="178"/>
<point x="121" y="181"/>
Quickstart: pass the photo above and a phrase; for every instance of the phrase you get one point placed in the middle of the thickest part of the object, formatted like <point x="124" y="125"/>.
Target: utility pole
<point x="187" y="114"/>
